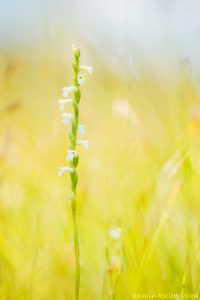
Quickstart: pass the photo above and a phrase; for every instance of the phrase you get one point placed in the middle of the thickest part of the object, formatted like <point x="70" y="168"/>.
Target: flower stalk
<point x="72" y="154"/>
<point x="74" y="164"/>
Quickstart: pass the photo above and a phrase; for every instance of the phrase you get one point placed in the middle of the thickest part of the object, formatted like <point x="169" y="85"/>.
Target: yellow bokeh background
<point x="140" y="174"/>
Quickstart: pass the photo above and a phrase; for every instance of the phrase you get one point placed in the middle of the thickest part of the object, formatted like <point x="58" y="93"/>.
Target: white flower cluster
<point x="67" y="118"/>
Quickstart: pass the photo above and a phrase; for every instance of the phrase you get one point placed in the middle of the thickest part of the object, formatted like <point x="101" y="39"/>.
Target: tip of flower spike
<point x="76" y="50"/>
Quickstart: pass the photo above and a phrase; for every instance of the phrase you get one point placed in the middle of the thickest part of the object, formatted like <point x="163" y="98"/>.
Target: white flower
<point x="83" y="143"/>
<point x="63" y="102"/>
<point x="66" y="90"/>
<point x="88" y="69"/>
<point x="115" y="233"/>
<point x="65" y="170"/>
<point x="81" y="129"/>
<point x="71" y="154"/>
<point x="81" y="79"/>
<point x="66" y="117"/>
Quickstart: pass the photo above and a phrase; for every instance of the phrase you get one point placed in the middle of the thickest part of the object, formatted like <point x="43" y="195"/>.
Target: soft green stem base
<point x="76" y="249"/>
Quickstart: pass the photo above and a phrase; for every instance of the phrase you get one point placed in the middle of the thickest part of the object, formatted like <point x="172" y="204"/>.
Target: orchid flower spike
<point x="71" y="154"/>
<point x="88" y="69"/>
<point x="66" y="90"/>
<point x="81" y="129"/>
<point x="81" y="79"/>
<point x="66" y="117"/>
<point x="65" y="170"/>
<point x="63" y="102"/>
<point x="74" y="92"/>
<point x="83" y="143"/>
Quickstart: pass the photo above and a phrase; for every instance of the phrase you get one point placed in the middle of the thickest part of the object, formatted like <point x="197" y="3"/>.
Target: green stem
<point x="76" y="247"/>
